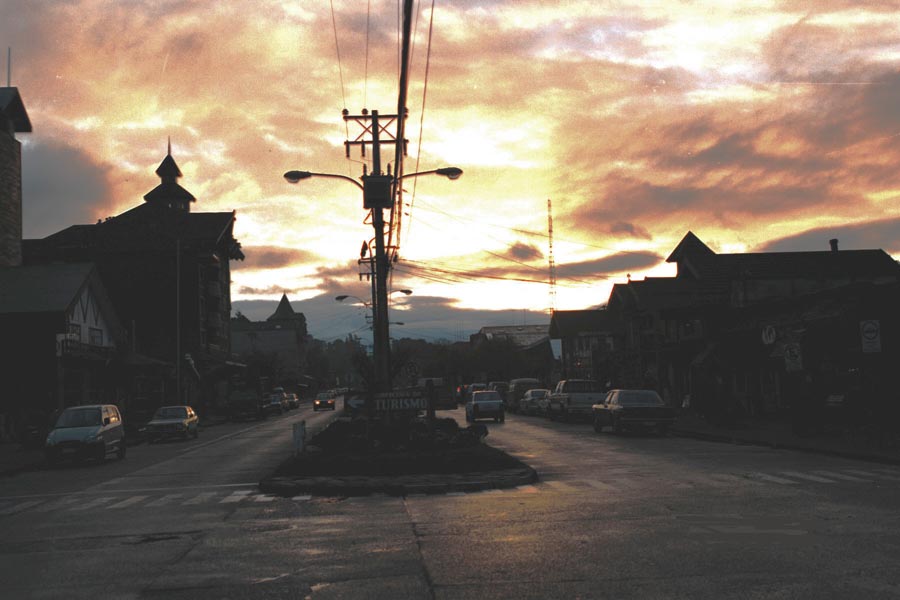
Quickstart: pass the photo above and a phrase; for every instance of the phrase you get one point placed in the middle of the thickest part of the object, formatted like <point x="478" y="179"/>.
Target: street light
<point x="378" y="193"/>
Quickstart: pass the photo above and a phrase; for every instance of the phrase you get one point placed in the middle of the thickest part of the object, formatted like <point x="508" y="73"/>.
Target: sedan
<point x="534" y="402"/>
<point x="633" y="409"/>
<point x="323" y="401"/>
<point x="173" y="421"/>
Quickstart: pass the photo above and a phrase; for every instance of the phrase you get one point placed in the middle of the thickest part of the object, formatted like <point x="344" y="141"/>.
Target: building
<point x="588" y="341"/>
<point x="281" y="340"/>
<point x="167" y="272"/>
<point x="61" y="340"/>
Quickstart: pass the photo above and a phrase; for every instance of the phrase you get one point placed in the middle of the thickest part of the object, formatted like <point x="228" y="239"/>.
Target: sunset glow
<point x="771" y="125"/>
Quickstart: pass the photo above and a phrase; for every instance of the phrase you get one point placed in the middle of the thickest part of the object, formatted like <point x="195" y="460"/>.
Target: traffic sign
<point x="870" y="335"/>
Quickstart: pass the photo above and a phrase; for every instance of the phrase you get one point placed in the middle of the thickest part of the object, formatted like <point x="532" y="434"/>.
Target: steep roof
<point x="42" y="288"/>
<point x="284" y="311"/>
<point x="12" y="106"/>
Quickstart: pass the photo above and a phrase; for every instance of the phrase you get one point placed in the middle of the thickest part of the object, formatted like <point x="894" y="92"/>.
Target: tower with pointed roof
<point x="168" y="193"/>
<point x="13" y="119"/>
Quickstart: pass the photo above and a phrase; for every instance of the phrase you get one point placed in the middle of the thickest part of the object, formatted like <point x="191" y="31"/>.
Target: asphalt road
<point x="612" y="517"/>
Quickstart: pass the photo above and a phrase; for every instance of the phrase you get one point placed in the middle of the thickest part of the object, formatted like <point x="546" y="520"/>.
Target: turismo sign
<point x="402" y="400"/>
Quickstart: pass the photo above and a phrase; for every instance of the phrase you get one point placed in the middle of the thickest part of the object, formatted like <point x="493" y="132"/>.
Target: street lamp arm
<point x="451" y="173"/>
<point x="295" y="176"/>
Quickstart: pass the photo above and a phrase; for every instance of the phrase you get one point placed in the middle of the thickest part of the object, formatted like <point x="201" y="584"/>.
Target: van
<point x="90" y="431"/>
<point x="517" y="389"/>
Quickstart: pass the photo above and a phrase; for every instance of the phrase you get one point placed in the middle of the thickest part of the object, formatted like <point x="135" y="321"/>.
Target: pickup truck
<point x="574" y="398"/>
<point x="484" y="405"/>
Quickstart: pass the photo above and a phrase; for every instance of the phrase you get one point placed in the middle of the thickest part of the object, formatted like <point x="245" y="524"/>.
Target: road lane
<point x="612" y="516"/>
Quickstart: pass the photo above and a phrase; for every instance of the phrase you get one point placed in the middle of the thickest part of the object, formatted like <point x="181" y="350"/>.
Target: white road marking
<point x="20" y="507"/>
<point x="236" y="497"/>
<point x="807" y="476"/>
<point x="297" y="498"/>
<point x="165" y="500"/>
<point x="772" y="478"/>
<point x="264" y="498"/>
<point x="199" y="498"/>
<point x="128" y="502"/>
<point x="840" y="476"/>
<point x="96" y="502"/>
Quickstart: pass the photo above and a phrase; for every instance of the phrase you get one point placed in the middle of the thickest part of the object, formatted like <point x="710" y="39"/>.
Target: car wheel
<point x="616" y="426"/>
<point x="196" y="433"/>
<point x="503" y="418"/>
<point x="120" y="454"/>
<point x="564" y="416"/>
<point x="598" y="424"/>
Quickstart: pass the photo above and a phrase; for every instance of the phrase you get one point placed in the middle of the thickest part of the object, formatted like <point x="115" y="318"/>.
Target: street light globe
<point x="295" y="176"/>
<point x="451" y="173"/>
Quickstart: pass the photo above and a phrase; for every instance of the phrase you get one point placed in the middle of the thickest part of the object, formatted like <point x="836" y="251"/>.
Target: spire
<point x="168" y="192"/>
<point x="284" y="310"/>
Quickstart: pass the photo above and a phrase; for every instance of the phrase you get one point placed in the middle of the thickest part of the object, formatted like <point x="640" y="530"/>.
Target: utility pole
<point x="378" y="196"/>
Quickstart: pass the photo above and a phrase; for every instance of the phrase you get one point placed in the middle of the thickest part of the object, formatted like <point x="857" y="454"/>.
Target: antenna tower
<point x="552" y="261"/>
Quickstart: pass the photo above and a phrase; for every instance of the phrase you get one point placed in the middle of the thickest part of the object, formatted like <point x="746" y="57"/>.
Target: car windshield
<point x="583" y="386"/>
<point x="487" y="396"/>
<point x="639" y="398"/>
<point x="171" y="412"/>
<point x="538" y="393"/>
<point x="79" y="417"/>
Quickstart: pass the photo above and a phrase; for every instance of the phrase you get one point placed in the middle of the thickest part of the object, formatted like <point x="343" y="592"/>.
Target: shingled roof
<point x="566" y="323"/>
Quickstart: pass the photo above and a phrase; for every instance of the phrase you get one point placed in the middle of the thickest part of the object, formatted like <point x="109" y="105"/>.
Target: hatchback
<point x="91" y="431"/>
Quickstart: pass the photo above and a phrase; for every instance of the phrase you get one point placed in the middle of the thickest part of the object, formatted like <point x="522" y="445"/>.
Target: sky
<point x="759" y="126"/>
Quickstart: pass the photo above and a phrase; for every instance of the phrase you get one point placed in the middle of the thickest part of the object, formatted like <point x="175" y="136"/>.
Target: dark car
<point x="92" y="431"/>
<point x="275" y="403"/>
<point x="323" y="401"/>
<point x="633" y="409"/>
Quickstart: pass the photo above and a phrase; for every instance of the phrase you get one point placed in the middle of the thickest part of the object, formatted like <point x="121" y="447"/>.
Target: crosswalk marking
<point x="20" y="507"/>
<point x="200" y="498"/>
<point x="165" y="500"/>
<point x="128" y="502"/>
<point x="264" y="498"/>
<point x="237" y="496"/>
<point x="841" y="476"/>
<point x="51" y="506"/>
<point x="96" y="502"/>
<point x="807" y="476"/>
<point x="772" y="478"/>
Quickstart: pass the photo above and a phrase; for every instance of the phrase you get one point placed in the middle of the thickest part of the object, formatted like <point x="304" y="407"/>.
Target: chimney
<point x="834" y="243"/>
<point x="13" y="118"/>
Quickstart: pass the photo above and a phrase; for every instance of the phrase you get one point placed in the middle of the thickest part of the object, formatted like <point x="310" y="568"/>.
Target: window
<point x="95" y="336"/>
<point x="75" y="330"/>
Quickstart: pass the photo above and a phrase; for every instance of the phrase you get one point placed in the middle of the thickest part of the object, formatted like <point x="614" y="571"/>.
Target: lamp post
<point x="378" y="192"/>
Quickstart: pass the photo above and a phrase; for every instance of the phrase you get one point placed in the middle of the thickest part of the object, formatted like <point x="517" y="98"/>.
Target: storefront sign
<point x="397" y="401"/>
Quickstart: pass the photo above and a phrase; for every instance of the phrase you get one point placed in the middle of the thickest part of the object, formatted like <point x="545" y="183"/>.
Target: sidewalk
<point x="778" y="434"/>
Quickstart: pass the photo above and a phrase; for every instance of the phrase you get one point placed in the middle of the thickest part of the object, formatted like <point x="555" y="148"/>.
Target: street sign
<point x="400" y="401"/>
<point x="870" y="335"/>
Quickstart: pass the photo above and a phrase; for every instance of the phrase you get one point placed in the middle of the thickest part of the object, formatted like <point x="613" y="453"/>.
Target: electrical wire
<point x="338" y="50"/>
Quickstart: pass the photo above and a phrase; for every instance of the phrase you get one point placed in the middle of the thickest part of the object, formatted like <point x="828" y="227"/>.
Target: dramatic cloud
<point x="61" y="186"/>
<point x="776" y="126"/>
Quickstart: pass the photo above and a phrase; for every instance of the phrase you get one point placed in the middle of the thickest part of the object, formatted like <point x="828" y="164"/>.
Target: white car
<point x="173" y="421"/>
<point x="485" y="405"/>
<point x="534" y="402"/>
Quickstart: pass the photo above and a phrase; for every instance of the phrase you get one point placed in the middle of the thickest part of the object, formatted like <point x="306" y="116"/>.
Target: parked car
<point x="633" y="409"/>
<point x="534" y="402"/>
<point x="485" y="404"/>
<point x="246" y="404"/>
<point x="173" y="421"/>
<point x="275" y="404"/>
<point x="517" y="389"/>
<point x="499" y="386"/>
<point x="574" y="399"/>
<point x="472" y="388"/>
<point x="91" y="431"/>
<point x="323" y="401"/>
<point x="292" y="401"/>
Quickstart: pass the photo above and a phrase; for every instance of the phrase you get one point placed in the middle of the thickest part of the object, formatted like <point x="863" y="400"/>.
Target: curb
<point x="726" y="439"/>
<point x="401" y="485"/>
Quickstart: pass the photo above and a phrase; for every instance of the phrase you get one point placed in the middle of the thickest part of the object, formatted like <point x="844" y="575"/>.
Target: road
<point x="612" y="517"/>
